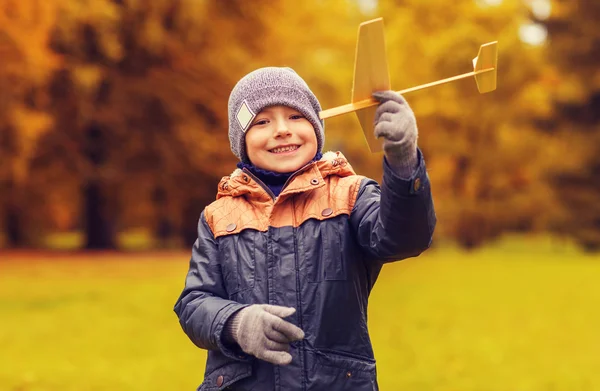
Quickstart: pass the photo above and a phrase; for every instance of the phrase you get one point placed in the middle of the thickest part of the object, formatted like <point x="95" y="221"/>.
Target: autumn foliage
<point x="113" y="113"/>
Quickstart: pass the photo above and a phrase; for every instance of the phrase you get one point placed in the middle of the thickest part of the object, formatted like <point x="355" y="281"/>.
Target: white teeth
<point x="285" y="149"/>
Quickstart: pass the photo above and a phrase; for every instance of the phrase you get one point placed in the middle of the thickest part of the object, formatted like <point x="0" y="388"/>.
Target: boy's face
<point x="281" y="139"/>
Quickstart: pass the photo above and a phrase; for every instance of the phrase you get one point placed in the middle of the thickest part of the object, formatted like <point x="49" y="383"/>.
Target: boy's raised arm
<point x="397" y="220"/>
<point x="202" y="307"/>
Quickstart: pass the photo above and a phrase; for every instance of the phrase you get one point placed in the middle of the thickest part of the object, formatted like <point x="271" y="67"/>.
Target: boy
<point x="287" y="255"/>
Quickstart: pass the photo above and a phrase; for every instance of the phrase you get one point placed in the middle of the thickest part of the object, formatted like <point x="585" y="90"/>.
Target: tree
<point x="484" y="156"/>
<point x="574" y="49"/>
<point x="26" y="63"/>
<point x="138" y="99"/>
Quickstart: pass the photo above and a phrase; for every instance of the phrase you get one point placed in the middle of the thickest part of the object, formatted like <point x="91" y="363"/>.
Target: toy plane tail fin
<point x="486" y="59"/>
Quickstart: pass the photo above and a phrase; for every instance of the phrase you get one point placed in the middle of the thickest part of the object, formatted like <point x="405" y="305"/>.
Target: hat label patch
<point x="245" y="115"/>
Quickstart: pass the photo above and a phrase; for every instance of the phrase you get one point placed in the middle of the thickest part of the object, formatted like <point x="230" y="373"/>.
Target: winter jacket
<point x="319" y="248"/>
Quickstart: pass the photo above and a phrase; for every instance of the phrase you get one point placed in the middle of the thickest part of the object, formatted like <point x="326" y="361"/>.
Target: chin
<point x="289" y="167"/>
<point x="286" y="169"/>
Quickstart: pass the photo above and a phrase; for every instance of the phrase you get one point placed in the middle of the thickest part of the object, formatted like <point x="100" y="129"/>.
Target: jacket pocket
<point x="336" y="370"/>
<point x="226" y="376"/>
<point x="333" y="250"/>
<point x="238" y="259"/>
<point x="324" y="249"/>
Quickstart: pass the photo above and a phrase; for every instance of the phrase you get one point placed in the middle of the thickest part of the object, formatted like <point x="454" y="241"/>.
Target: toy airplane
<point x="371" y="74"/>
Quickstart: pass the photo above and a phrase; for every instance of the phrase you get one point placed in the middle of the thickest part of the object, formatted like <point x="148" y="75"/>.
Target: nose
<point x="281" y="128"/>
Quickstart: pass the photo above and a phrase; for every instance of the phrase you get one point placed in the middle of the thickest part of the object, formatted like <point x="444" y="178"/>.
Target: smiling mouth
<point x="288" y="148"/>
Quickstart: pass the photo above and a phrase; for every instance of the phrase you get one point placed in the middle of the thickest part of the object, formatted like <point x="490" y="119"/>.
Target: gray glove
<point x="396" y="123"/>
<point x="260" y="331"/>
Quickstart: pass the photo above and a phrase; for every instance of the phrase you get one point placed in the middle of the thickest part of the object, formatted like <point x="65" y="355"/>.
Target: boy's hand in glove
<point x="396" y="123"/>
<point x="260" y="331"/>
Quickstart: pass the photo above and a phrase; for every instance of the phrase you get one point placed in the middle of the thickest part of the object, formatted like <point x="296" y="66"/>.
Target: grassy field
<point x="517" y="316"/>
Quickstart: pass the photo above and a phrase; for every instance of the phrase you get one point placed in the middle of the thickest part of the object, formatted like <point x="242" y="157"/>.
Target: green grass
<point x="509" y="317"/>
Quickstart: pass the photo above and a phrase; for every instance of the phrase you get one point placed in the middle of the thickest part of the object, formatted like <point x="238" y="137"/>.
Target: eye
<point x="296" y="116"/>
<point x="261" y="122"/>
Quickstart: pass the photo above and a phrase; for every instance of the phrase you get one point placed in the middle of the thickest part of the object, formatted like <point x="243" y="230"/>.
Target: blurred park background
<point x="113" y="137"/>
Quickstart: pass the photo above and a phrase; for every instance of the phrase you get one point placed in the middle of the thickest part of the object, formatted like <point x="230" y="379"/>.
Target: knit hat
<point x="269" y="87"/>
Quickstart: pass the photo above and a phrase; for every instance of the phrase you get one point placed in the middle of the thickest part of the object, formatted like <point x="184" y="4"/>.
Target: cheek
<point x="310" y="136"/>
<point x="253" y="143"/>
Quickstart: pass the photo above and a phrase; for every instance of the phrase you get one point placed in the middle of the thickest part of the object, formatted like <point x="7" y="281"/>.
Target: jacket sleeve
<point x="202" y="307"/>
<point x="395" y="220"/>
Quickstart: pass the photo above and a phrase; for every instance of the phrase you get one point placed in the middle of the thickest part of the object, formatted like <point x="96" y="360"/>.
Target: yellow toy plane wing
<point x="370" y="74"/>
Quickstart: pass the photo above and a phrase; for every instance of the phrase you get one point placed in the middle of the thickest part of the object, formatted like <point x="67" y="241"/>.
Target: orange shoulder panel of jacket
<point x="231" y="215"/>
<point x="326" y="189"/>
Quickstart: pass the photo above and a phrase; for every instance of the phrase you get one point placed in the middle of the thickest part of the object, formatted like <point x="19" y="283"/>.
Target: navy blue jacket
<point x="319" y="248"/>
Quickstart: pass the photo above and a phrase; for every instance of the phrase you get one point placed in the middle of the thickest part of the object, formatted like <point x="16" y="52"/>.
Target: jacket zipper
<point x="297" y="266"/>
<point x="300" y="312"/>
<point x="265" y="187"/>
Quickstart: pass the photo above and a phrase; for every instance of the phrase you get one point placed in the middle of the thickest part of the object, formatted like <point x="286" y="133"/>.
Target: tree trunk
<point x="13" y="227"/>
<point x="189" y="227"/>
<point x="98" y="230"/>
<point x="163" y="231"/>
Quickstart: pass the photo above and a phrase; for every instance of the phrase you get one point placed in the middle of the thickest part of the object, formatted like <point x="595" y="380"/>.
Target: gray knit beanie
<point x="269" y="87"/>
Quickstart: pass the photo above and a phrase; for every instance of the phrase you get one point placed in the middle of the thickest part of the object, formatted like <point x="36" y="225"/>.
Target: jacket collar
<point x="311" y="176"/>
